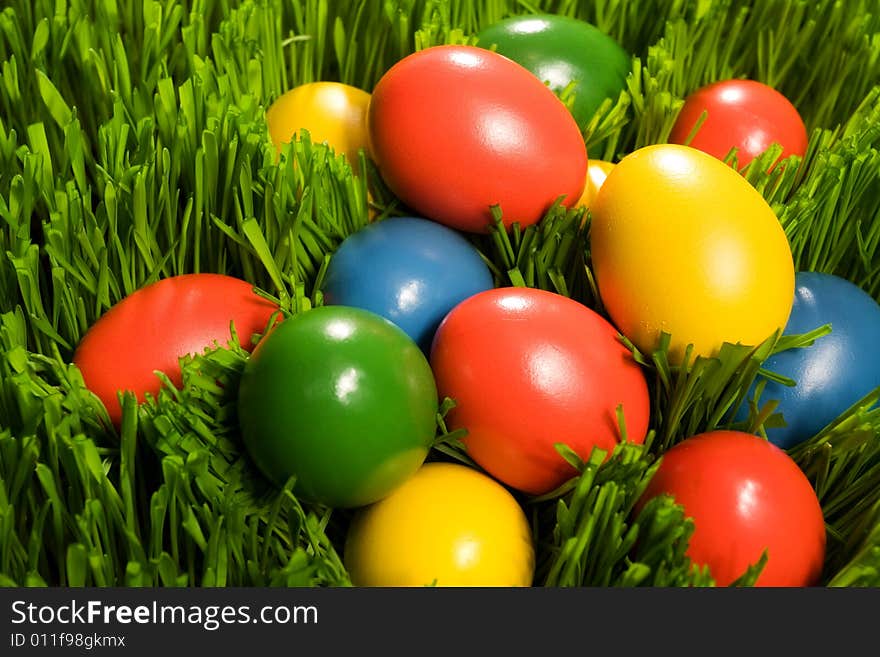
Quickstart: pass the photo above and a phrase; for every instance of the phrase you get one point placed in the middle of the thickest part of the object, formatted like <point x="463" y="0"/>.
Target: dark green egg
<point x="560" y="51"/>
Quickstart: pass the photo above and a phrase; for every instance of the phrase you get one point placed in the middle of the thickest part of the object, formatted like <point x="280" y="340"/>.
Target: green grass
<point x="133" y="147"/>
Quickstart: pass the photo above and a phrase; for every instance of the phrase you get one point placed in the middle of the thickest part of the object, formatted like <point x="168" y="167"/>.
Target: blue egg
<point x="409" y="270"/>
<point x="837" y="370"/>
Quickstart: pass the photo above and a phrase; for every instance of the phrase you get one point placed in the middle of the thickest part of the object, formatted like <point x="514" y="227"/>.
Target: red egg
<point x="745" y="495"/>
<point x="155" y="326"/>
<point x="456" y="129"/>
<point x="745" y="114"/>
<point x="528" y="369"/>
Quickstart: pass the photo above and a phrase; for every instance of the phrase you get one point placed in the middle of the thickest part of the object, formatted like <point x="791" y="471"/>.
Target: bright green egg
<point x="343" y="400"/>
<point x="560" y="51"/>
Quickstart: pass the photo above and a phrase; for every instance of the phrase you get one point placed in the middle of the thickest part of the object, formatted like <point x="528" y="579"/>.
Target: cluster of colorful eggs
<point x="344" y="397"/>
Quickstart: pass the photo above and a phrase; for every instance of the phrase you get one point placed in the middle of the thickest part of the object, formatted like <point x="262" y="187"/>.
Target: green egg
<point x="560" y="51"/>
<point x="341" y="399"/>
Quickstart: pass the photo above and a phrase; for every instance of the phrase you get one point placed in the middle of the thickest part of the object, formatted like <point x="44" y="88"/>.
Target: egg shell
<point x="408" y="270"/>
<point x="745" y="496"/>
<point x="335" y="114"/>
<point x="447" y="525"/>
<point x="457" y="129"/>
<point x="837" y="370"/>
<point x="528" y="369"/>
<point x="597" y="172"/>
<point x="683" y="244"/>
<point x="152" y="328"/>
<point x="341" y="399"/>
<point x="744" y="114"/>
<point x="563" y="51"/>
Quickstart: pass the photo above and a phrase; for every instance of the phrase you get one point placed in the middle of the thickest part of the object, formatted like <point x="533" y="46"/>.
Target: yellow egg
<point x="447" y="525"/>
<point x="597" y="172"/>
<point x="332" y="112"/>
<point x="682" y="243"/>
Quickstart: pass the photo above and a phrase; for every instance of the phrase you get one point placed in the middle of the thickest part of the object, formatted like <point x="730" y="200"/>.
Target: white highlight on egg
<point x="514" y="304"/>
<point x="747" y="500"/>
<point x="340" y="330"/>
<point x="410" y="295"/>
<point x="530" y="26"/>
<point x="466" y="59"/>
<point x="732" y="95"/>
<point x="347" y="383"/>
